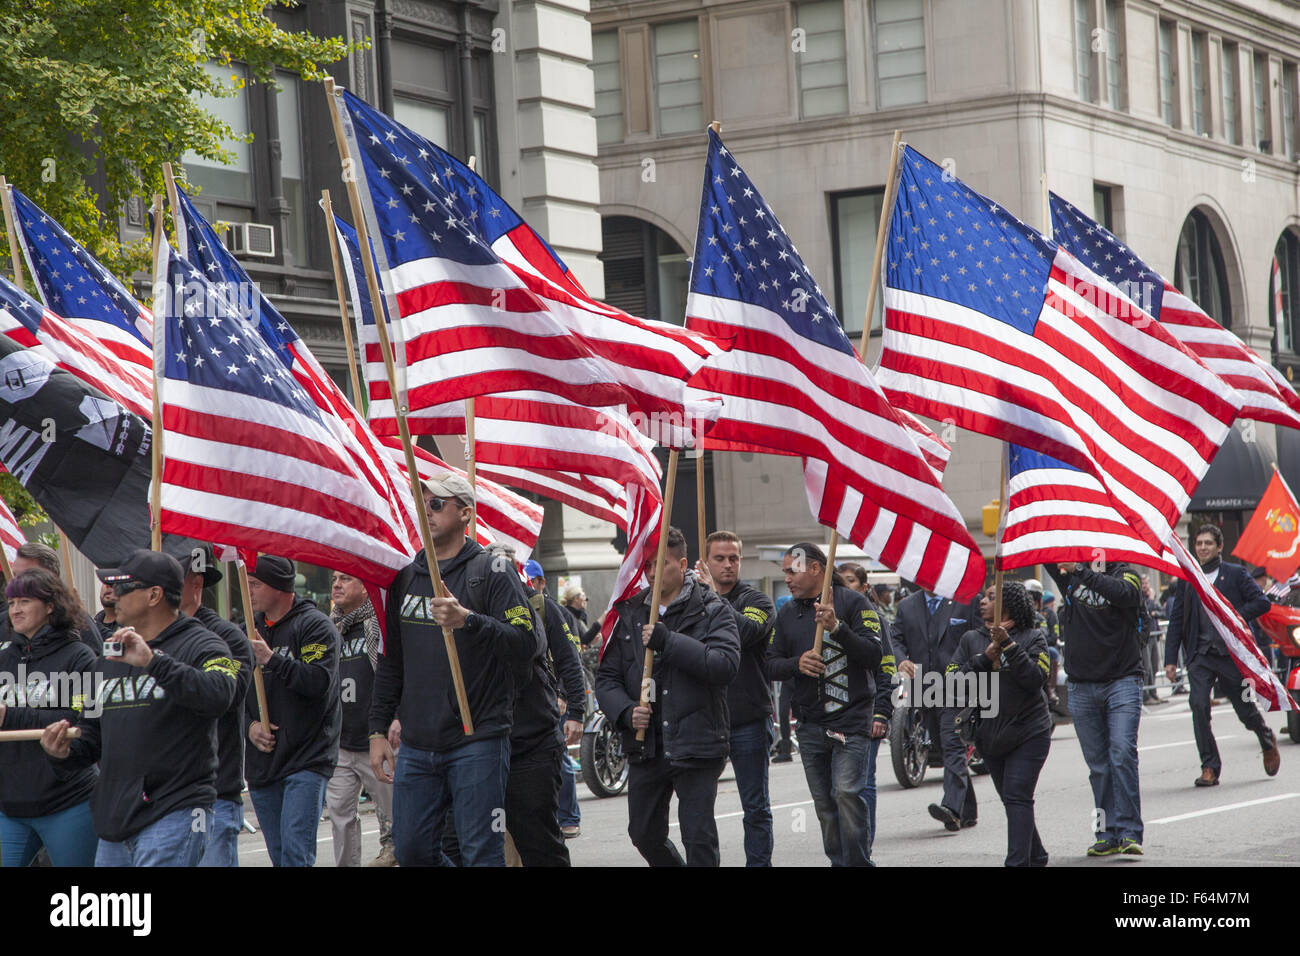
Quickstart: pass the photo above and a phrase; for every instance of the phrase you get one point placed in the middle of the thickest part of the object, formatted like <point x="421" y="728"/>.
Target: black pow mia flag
<point x="81" y="455"/>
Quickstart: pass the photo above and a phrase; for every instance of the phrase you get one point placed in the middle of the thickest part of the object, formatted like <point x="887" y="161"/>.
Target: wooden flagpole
<point x="14" y="736"/>
<point x="155" y="500"/>
<point x="340" y="284"/>
<point x="259" y="682"/>
<point x="173" y="200"/>
<point x="716" y="126"/>
<point x="882" y="236"/>
<point x="471" y="450"/>
<point x="5" y="565"/>
<point x="657" y="591"/>
<point x="12" y="232"/>
<point x="399" y="409"/>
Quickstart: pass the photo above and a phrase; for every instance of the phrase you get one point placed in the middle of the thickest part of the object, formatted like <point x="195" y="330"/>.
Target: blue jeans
<point x="222" y="848"/>
<point x="750" y="744"/>
<point x="837" y="777"/>
<point x="570" y="815"/>
<point x="471" y="781"/>
<point x="1106" y="719"/>
<point x="68" y="836"/>
<point x="175" y="840"/>
<point x="288" y="812"/>
<point x="869" y="791"/>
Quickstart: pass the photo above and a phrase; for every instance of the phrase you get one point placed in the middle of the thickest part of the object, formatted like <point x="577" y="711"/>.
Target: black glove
<point x="658" y="637"/>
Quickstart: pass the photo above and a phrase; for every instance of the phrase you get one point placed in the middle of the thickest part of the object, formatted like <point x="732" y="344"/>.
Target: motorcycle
<point x="604" y="765"/>
<point x="912" y="751"/>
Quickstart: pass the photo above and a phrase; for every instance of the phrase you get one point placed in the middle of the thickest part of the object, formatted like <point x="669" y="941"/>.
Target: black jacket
<point x="1099" y="616"/>
<point x="231" y="726"/>
<point x="1022" y="712"/>
<point x="105" y="630"/>
<point x="1234" y="583"/>
<point x="87" y="629"/>
<point x="750" y="696"/>
<point x="156" y="738"/>
<point x="699" y="659"/>
<point x="356" y="681"/>
<point x="886" y="674"/>
<point x="537" y="713"/>
<point x="844" y="698"/>
<point x="928" y="641"/>
<point x="413" y="680"/>
<point x="47" y="674"/>
<point x="302" y="696"/>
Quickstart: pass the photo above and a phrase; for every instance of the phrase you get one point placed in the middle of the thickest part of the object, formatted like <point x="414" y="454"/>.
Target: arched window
<point x="1198" y="269"/>
<point x="1284" y="291"/>
<point x="646" y="272"/>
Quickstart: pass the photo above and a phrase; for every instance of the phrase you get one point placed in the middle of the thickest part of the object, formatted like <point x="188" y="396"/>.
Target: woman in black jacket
<point x="1014" y="744"/>
<point x="48" y="678"/>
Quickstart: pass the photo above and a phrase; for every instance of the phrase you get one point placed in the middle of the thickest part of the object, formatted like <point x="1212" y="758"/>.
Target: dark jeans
<point x="288" y="811"/>
<point x="750" y="744"/>
<point x="958" y="791"/>
<point x="1106" y="717"/>
<point x="533" y="805"/>
<point x="869" y="792"/>
<point x="785" y="700"/>
<point x="837" y="777"/>
<point x="650" y="787"/>
<point x="1203" y="670"/>
<point x="1015" y="775"/>
<point x="469" y="780"/>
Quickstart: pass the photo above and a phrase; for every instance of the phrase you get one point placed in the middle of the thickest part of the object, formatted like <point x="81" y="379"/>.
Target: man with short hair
<point x="440" y="766"/>
<point x="290" y="766"/>
<point x="749" y="698"/>
<point x="1207" y="656"/>
<point x="353" y="616"/>
<point x="222" y="847"/>
<point x="156" y="738"/>
<point x="686" y="724"/>
<point x="106" y="619"/>
<point x="836" y="692"/>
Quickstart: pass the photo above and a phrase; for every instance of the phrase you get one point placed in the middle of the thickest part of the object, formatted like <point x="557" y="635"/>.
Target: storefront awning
<point x="1237" y="476"/>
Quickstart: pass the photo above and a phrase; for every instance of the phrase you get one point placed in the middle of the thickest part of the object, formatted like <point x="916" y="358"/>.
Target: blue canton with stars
<point x="1021" y="459"/>
<point x="1093" y="245"/>
<point x="228" y="278"/>
<point x="949" y="242"/>
<point x="743" y="253"/>
<point x="352" y="247"/>
<point x="209" y="344"/>
<point x="20" y="305"/>
<point x="73" y="281"/>
<point x="475" y="202"/>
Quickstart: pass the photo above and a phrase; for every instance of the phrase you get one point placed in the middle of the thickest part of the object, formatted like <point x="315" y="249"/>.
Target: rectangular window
<point x="291" y="168"/>
<point x="823" y="74"/>
<point x="679" y="92"/>
<point x="1263" y="124"/>
<point x="855" y="219"/>
<point x="1288" y="110"/>
<point x="217" y="179"/>
<point x="609" y="87"/>
<point x="1114" y="54"/>
<point x="1199" y="91"/>
<point x="1102" y="208"/>
<point x="427" y="119"/>
<point x="1168" y="74"/>
<point x="1231" y="93"/>
<point x="1083" y="27"/>
<point x="899" y="30"/>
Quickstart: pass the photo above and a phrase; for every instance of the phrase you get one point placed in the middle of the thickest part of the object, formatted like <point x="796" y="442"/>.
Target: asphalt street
<point x="1248" y="820"/>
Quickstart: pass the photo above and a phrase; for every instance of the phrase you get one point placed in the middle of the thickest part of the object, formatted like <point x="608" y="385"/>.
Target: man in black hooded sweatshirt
<point x="156" y="738"/>
<point x="439" y="765"/>
<point x="289" y="768"/>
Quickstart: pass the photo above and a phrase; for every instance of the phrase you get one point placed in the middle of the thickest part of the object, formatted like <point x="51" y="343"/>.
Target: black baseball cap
<point x="152" y="568"/>
<point x="195" y="557"/>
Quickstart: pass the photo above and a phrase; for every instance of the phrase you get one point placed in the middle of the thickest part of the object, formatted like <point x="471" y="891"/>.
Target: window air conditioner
<point x="251" y="239"/>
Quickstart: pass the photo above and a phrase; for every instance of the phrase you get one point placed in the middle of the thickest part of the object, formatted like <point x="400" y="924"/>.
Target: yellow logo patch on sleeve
<point x="311" y="653"/>
<point x="223" y="665"/>
<point x="755" y="614"/>
<point x="520" y="616"/>
<point x="870" y="621"/>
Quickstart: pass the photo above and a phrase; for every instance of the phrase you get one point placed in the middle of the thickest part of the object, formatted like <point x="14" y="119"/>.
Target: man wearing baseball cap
<point x="439" y="765"/>
<point x="156" y="736"/>
<point x="289" y="768"/>
<point x="201" y="572"/>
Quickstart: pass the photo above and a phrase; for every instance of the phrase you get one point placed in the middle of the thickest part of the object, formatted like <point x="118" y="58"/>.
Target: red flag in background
<point x="1272" y="536"/>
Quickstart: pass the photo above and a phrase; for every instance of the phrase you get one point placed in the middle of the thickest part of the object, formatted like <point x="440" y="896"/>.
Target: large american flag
<point x="1266" y="395"/>
<point x="74" y="284"/>
<point x="251" y="459"/>
<point x="794" y="384"/>
<point x="997" y="328"/>
<point x="483" y="306"/>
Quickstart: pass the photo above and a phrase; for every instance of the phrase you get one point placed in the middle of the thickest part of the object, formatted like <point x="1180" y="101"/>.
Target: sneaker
<point x="571" y="832"/>
<point x="1130" y="847"/>
<point x="1104" y="848"/>
<point x="386" y="857"/>
<point x="950" y="820"/>
<point x="782" y="757"/>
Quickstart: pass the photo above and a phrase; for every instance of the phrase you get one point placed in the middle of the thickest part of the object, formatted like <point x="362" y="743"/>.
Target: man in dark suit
<point x="925" y="636"/>
<point x="1207" y="656"/>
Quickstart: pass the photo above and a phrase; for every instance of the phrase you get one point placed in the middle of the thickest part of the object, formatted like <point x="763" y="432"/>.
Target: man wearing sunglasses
<point x="156" y="736"/>
<point x="439" y="765"/>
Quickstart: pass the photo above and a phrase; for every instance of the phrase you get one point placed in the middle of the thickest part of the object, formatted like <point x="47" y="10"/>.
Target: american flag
<point x="995" y="327"/>
<point x="1280" y="589"/>
<point x="484" y="307"/>
<point x="72" y="349"/>
<point x="1266" y="395"/>
<point x="11" y="537"/>
<point x="794" y="384"/>
<point x="75" y="285"/>
<point x="251" y="458"/>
